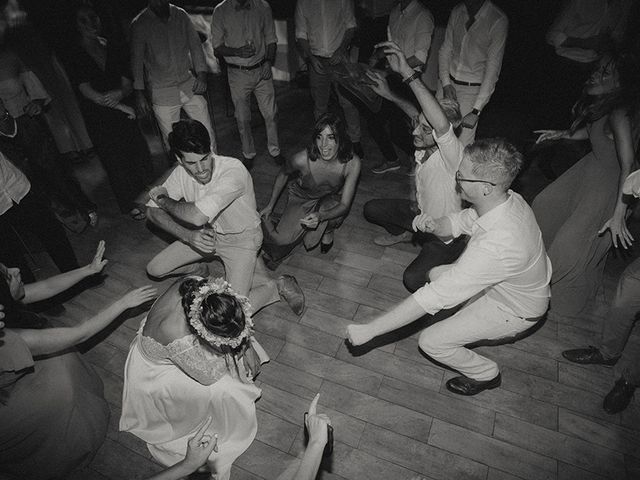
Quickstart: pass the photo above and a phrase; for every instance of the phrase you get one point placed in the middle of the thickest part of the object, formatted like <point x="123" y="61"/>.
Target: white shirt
<point x="412" y="29"/>
<point x="631" y="185"/>
<point x="323" y="23"/>
<point x="436" y="177"/>
<point x="14" y="186"/>
<point x="235" y="28"/>
<point x="228" y="199"/>
<point x="474" y="56"/>
<point x="505" y="258"/>
<point x="584" y="19"/>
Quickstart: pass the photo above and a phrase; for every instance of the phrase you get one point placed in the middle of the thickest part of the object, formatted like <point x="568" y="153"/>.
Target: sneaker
<point x="386" y="167"/>
<point x="619" y="397"/>
<point x="387" y="239"/>
<point x="357" y="149"/>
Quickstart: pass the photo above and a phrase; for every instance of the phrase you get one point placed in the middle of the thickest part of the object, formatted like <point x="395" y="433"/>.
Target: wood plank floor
<point x="392" y="415"/>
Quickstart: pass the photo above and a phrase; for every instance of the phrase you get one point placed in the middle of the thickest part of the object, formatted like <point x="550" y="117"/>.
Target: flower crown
<point x="219" y="286"/>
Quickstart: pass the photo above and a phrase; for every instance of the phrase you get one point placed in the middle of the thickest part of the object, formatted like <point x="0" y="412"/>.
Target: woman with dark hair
<point x="575" y="211"/>
<point x="315" y="207"/>
<point x="194" y="357"/>
<point x="53" y="416"/>
<point x="99" y="71"/>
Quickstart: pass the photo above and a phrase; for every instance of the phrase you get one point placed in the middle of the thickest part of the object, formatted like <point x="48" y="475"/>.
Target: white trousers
<point x="480" y="319"/>
<point x="195" y="106"/>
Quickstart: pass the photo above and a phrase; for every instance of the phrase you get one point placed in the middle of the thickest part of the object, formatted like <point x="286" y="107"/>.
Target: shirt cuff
<point x="424" y="297"/>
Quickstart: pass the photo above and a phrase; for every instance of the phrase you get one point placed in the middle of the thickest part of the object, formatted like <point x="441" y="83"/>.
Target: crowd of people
<point x="496" y="267"/>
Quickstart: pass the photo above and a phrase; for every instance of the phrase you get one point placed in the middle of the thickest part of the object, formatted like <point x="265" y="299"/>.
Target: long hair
<point x="335" y="123"/>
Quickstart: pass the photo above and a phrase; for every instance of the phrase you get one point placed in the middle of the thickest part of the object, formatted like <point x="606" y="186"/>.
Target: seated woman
<point x="194" y="357"/>
<point x="53" y="416"/>
<point x="315" y="206"/>
<point x="99" y="71"/>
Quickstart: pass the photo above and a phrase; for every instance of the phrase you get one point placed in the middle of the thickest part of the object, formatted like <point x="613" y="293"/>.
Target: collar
<point x="238" y="7"/>
<point x="481" y="11"/>
<point x="495" y="215"/>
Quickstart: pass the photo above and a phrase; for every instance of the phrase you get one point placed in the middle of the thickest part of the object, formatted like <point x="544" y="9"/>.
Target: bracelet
<point x="411" y="78"/>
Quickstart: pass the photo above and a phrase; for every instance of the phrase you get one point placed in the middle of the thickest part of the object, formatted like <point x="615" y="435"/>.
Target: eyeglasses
<point x="471" y="180"/>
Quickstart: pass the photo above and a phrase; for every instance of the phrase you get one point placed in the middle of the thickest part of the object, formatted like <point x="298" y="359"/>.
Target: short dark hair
<point x="495" y="159"/>
<point x="189" y="136"/>
<point x="336" y="124"/>
<point x="221" y="314"/>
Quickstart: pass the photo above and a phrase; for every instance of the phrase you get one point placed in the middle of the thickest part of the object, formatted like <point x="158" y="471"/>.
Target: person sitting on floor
<point x="214" y="196"/>
<point x="322" y="184"/>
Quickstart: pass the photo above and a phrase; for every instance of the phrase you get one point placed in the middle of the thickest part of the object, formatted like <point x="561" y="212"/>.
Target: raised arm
<point x="44" y="289"/>
<point x="430" y="107"/>
<point x="53" y="340"/>
<point x="381" y="87"/>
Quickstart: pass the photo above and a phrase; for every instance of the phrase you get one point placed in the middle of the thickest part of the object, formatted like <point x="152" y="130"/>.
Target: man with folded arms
<point x="501" y="278"/>
<point x="244" y="33"/>
<point x="470" y="58"/>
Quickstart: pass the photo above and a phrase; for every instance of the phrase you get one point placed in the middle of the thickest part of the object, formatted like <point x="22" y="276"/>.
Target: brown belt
<point x="466" y="84"/>
<point x="250" y="67"/>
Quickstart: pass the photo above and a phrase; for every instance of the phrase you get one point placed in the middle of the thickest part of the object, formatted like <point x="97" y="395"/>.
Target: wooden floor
<point x="393" y="417"/>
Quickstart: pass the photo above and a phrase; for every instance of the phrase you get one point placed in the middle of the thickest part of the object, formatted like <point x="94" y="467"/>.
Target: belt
<point x="250" y="67"/>
<point x="466" y="84"/>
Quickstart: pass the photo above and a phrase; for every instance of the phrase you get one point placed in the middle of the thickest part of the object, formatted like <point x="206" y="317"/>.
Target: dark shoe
<point x="291" y="293"/>
<point x="590" y="355"/>
<point x="279" y="159"/>
<point x="269" y="262"/>
<point x="468" y="386"/>
<point x="619" y="397"/>
<point x="325" y="247"/>
<point x="357" y="149"/>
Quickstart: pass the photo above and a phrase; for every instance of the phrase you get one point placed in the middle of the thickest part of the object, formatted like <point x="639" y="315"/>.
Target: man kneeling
<point x="208" y="203"/>
<point x="502" y="276"/>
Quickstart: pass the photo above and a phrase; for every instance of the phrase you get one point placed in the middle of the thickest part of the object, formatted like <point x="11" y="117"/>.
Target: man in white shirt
<point x="244" y="33"/>
<point x="470" y="58"/>
<point x="214" y="196"/>
<point x="618" y="325"/>
<point x="438" y="154"/>
<point x="324" y="30"/>
<point x="165" y="47"/>
<point x="502" y="277"/>
<point x="21" y="208"/>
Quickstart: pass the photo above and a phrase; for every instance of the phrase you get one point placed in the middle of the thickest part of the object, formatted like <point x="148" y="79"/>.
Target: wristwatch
<point x="475" y="111"/>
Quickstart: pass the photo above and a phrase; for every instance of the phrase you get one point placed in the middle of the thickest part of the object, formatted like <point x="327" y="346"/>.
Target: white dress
<point x="163" y="403"/>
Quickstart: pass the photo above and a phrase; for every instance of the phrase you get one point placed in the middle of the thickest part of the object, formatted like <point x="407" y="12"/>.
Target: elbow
<point x="199" y="220"/>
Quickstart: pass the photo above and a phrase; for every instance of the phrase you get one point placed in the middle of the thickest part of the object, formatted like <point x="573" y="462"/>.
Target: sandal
<point x="137" y="214"/>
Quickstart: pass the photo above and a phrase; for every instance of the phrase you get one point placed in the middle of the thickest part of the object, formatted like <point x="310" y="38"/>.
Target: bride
<point x="194" y="357"/>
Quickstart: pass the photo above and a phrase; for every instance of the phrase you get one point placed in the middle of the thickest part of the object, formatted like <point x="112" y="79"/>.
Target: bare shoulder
<point x="299" y="160"/>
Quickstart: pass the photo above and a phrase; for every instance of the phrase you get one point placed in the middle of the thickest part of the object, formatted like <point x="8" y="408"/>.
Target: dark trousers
<point x="395" y="216"/>
<point x="33" y="215"/>
<point x="46" y="169"/>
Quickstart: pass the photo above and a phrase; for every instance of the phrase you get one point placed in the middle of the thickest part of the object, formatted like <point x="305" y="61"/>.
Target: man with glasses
<point x="501" y="279"/>
<point x="208" y="203"/>
<point x="437" y="154"/>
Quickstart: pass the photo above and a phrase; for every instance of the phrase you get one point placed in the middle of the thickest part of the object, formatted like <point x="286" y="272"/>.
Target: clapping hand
<point x="424" y="223"/>
<point x="200" y="446"/>
<point x="379" y="83"/>
<point x="98" y="263"/>
<point x="139" y="296"/>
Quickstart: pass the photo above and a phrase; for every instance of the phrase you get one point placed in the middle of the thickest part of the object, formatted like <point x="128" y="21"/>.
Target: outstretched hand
<point x="424" y="223"/>
<point x="396" y="58"/>
<point x="359" y="334"/>
<point x="139" y="296"/>
<point x="548" y="135"/>
<point x="620" y="233"/>
<point x="317" y="423"/>
<point x="98" y="263"/>
<point x="379" y="83"/>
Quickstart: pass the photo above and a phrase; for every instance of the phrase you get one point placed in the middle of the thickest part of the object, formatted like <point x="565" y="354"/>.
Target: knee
<point x="414" y="278"/>
<point x="428" y="343"/>
<point x="155" y="268"/>
<point x="371" y="210"/>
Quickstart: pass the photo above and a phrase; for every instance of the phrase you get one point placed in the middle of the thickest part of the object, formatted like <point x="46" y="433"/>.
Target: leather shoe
<point x="587" y="356"/>
<point x="619" y="397"/>
<point x="291" y="293"/>
<point x="468" y="386"/>
<point x="325" y="247"/>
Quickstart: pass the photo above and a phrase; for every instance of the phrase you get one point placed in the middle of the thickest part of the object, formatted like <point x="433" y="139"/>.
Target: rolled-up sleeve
<point x="446" y="52"/>
<point x="494" y="62"/>
<point x="137" y="55"/>
<point x="195" y="45"/>
<point x="424" y="32"/>
<point x="269" y="27"/>
<point x="301" y="22"/>
<point x="173" y="185"/>
<point x="217" y="28"/>
<point x="462" y="222"/>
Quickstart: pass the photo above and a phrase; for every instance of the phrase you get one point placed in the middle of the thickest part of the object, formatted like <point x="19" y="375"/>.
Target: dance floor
<point x="392" y="415"/>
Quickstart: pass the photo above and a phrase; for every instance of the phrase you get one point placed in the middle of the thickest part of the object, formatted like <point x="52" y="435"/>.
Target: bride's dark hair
<point x="222" y="314"/>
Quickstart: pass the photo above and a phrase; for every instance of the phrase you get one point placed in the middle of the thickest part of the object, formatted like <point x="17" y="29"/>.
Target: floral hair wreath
<point x="219" y="286"/>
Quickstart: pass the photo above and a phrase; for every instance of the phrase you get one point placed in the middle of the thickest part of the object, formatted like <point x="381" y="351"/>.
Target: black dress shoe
<point x="468" y="386"/>
<point x="587" y="356"/>
<point x="619" y="397"/>
<point x="325" y="247"/>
